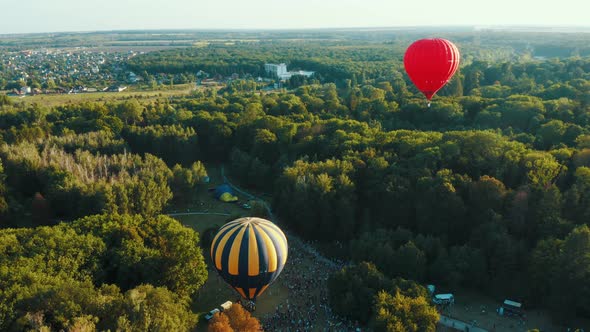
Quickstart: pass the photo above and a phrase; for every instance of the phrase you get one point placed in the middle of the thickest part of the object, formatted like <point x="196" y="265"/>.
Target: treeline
<point x="114" y="263"/>
<point x="79" y="159"/>
<point x="342" y="55"/>
<point x="83" y="184"/>
<point x="105" y="272"/>
<point x="332" y="61"/>
<point x="173" y="143"/>
<point x="366" y="295"/>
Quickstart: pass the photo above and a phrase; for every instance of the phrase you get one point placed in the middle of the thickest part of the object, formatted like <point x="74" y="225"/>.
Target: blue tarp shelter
<point x="222" y="189"/>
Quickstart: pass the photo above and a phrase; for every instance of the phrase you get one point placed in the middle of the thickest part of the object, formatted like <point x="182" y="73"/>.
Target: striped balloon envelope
<point x="249" y="254"/>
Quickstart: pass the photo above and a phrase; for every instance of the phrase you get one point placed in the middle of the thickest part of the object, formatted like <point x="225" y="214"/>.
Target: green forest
<point x="486" y="189"/>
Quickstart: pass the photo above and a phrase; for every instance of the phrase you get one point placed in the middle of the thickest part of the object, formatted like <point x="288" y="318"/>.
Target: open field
<point x="61" y="99"/>
<point x="216" y="291"/>
<point x="297" y="297"/>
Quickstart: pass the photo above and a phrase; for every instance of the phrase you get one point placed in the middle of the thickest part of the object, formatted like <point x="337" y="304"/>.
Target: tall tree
<point x="235" y="318"/>
<point x="398" y="313"/>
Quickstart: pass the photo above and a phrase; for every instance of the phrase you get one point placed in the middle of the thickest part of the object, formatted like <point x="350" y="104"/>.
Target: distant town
<point x="78" y="70"/>
<point x="50" y="71"/>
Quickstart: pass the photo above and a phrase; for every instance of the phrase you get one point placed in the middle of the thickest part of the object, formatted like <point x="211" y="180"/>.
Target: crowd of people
<point x="306" y="308"/>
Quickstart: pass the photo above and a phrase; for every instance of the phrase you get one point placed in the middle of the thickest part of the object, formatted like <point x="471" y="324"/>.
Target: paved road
<point x="459" y="325"/>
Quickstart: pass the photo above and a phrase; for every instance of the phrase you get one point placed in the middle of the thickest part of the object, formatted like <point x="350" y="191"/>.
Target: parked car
<point x="211" y="313"/>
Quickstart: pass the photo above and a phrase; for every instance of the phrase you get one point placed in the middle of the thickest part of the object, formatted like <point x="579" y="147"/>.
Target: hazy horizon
<point x="553" y="28"/>
<point x="62" y="16"/>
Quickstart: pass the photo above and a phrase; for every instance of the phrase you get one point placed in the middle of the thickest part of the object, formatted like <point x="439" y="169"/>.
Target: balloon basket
<point x="250" y="306"/>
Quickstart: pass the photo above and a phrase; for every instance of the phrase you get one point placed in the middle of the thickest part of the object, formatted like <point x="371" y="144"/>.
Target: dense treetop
<point x="98" y="272"/>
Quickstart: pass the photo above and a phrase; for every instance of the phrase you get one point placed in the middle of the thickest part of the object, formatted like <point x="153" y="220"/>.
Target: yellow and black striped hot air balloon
<point x="249" y="254"/>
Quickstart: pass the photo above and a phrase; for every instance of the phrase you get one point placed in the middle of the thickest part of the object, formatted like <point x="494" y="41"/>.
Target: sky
<point x="70" y="15"/>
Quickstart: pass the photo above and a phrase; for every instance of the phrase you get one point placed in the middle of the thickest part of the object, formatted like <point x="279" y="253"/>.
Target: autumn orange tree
<point x="220" y="323"/>
<point x="235" y="318"/>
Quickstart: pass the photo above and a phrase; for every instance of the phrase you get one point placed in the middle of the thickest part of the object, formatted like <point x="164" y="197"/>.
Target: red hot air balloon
<point x="431" y="63"/>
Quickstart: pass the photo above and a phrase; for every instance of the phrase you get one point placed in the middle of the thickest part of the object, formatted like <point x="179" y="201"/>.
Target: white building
<point x="25" y="90"/>
<point x="289" y="74"/>
<point x="280" y="71"/>
<point x="276" y="70"/>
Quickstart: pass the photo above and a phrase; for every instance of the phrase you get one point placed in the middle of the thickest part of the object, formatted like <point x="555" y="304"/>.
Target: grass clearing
<point x="200" y="223"/>
<point x="61" y="99"/>
<point x="216" y="290"/>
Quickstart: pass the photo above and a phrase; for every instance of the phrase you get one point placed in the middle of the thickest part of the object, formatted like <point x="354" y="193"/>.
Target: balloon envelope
<point x="431" y="63"/>
<point x="249" y="254"/>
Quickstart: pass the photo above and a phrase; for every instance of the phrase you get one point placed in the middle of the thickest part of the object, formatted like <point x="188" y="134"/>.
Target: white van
<point x="226" y="305"/>
<point x="510" y="307"/>
<point x="443" y="299"/>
